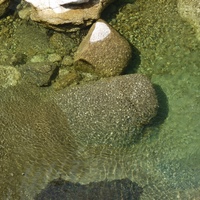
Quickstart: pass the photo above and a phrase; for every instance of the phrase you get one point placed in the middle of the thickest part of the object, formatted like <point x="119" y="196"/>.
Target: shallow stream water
<point x="165" y="162"/>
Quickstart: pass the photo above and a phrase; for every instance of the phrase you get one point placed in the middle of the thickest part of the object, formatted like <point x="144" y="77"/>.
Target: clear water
<point x="166" y="161"/>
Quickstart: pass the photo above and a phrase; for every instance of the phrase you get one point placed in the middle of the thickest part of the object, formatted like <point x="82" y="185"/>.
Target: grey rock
<point x="40" y="74"/>
<point x="111" y="110"/>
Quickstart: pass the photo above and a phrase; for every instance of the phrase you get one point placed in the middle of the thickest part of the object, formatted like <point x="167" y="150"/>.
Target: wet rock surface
<point x="105" y="51"/>
<point x="111" y="111"/>
<point x="109" y="190"/>
<point x="70" y="13"/>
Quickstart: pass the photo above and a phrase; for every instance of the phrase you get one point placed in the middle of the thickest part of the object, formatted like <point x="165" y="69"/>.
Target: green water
<point x="166" y="161"/>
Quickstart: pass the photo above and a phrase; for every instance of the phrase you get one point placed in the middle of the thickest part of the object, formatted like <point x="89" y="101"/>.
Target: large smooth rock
<point x="69" y="12"/>
<point x="109" y="190"/>
<point x="190" y="10"/>
<point x="3" y="6"/>
<point x="105" y="51"/>
<point x="111" y="110"/>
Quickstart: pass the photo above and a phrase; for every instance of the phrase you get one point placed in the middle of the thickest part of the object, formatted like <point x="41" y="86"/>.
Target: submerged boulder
<point x="40" y="140"/>
<point x="111" y="110"/>
<point x="109" y="190"/>
<point x="105" y="51"/>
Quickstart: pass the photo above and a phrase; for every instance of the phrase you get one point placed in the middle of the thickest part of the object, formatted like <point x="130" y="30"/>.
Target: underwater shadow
<point x="113" y="9"/>
<point x="110" y="190"/>
<point x="134" y="62"/>
<point x="163" y="108"/>
<point x="12" y="8"/>
<point x="153" y="128"/>
<point x="109" y="13"/>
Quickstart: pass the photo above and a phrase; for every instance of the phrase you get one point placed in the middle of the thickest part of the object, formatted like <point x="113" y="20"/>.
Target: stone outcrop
<point x="103" y="51"/>
<point x="74" y="13"/>
<point x="190" y="10"/>
<point x="3" y="6"/>
<point x="111" y="110"/>
<point x="109" y="190"/>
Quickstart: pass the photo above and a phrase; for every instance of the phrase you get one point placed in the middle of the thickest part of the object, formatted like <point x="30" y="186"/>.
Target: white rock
<point x="75" y="13"/>
<point x="55" y="5"/>
<point x="100" y="32"/>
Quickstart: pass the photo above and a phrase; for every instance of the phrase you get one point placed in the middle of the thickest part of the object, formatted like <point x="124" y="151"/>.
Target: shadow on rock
<point x="153" y="128"/>
<point x="162" y="113"/>
<point x="60" y="189"/>
<point x="113" y="9"/>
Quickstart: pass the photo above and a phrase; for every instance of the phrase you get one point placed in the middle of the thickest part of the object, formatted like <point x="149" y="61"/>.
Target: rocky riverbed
<point x="164" y="160"/>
